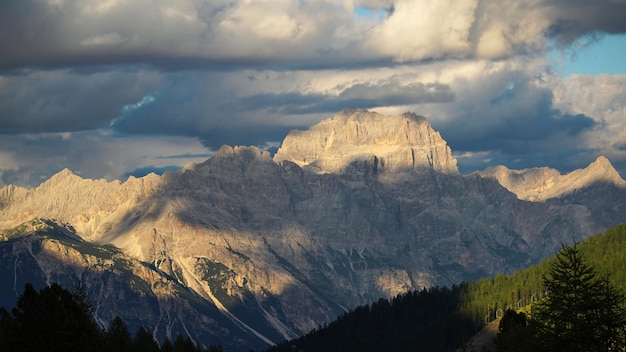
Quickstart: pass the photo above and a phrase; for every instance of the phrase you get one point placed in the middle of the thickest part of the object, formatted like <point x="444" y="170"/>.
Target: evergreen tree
<point x="144" y="342"/>
<point x="117" y="337"/>
<point x="182" y="344"/>
<point x="514" y="334"/>
<point x="582" y="311"/>
<point x="52" y="319"/>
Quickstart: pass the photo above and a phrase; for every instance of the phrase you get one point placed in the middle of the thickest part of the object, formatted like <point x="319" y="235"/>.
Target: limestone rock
<point x="389" y="144"/>
<point x="541" y="184"/>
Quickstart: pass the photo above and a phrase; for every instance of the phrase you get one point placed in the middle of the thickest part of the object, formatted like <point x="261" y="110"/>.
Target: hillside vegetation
<point x="443" y="319"/>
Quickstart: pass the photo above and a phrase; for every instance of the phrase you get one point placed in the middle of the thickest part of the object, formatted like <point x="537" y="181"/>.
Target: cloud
<point x="602" y="97"/>
<point x="111" y="38"/>
<point x="237" y="33"/>
<point x="29" y="159"/>
<point x="572" y="19"/>
<point x="419" y="30"/>
<point x="359" y="95"/>
<point x="34" y="33"/>
<point x="63" y="100"/>
<point x="375" y="4"/>
<point x="521" y="124"/>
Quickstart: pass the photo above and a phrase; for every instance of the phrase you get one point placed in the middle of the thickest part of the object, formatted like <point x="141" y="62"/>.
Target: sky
<point x="112" y="88"/>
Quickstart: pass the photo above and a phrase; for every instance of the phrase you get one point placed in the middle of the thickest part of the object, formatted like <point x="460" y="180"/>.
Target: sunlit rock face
<point x="42" y="252"/>
<point x="541" y="184"/>
<point x="246" y="250"/>
<point x="384" y="144"/>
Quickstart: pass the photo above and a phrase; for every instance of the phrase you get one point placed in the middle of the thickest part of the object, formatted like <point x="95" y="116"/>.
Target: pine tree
<point x="117" y="337"/>
<point x="182" y="344"/>
<point x="52" y="319"/>
<point x="144" y="342"/>
<point x="582" y="311"/>
<point x="514" y="333"/>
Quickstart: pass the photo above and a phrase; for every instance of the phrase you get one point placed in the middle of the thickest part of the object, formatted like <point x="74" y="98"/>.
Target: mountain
<point x="384" y="144"/>
<point x="247" y="250"/>
<point x="43" y="252"/>
<point x="541" y="184"/>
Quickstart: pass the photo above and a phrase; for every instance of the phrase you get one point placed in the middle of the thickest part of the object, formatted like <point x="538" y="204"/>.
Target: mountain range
<point x="247" y="249"/>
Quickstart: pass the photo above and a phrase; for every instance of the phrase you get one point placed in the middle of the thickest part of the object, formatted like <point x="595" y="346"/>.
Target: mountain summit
<point x="246" y="250"/>
<point x="384" y="144"/>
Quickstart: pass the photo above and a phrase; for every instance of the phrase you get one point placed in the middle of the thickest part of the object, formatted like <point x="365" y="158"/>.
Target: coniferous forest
<point x="572" y="301"/>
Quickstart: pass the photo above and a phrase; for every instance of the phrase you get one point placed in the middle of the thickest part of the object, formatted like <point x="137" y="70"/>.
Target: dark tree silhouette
<point x="117" y="337"/>
<point x="167" y="346"/>
<point x="144" y="342"/>
<point x="184" y="344"/>
<point x="514" y="333"/>
<point x="52" y="319"/>
<point x="582" y="311"/>
<point x="6" y="323"/>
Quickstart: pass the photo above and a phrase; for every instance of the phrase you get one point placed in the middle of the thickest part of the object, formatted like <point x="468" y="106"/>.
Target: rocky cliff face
<point x="42" y="252"/>
<point x="360" y="138"/>
<point x="268" y="249"/>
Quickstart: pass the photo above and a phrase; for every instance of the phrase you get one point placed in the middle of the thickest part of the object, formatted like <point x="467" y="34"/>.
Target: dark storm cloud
<point x="213" y="128"/>
<point x="519" y="121"/>
<point x="250" y="134"/>
<point x="362" y="95"/>
<point x="61" y="101"/>
<point x="27" y="160"/>
<point x="203" y="105"/>
<point x="185" y="156"/>
<point x="184" y="34"/>
<point x="564" y="160"/>
<point x="571" y="19"/>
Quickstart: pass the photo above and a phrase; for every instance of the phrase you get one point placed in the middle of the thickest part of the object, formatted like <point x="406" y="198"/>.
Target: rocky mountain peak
<point x="237" y="162"/>
<point x="61" y="176"/>
<point x="247" y="153"/>
<point x="602" y="169"/>
<point x="383" y="143"/>
<point x="540" y="184"/>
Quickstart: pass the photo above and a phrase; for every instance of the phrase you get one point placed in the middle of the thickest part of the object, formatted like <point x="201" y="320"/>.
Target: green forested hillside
<point x="486" y="298"/>
<point x="443" y="319"/>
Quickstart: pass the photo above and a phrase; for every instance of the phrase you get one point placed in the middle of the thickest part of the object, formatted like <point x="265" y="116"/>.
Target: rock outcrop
<point x="266" y="249"/>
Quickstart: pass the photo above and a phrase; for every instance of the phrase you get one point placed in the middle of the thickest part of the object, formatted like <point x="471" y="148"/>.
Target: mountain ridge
<point x="541" y="184"/>
<point x="277" y="247"/>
